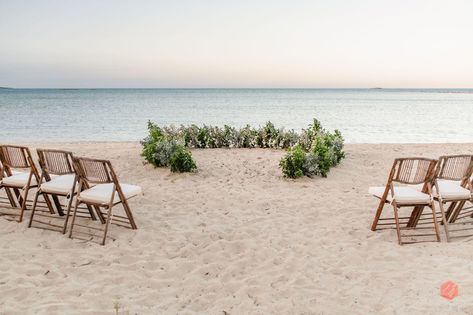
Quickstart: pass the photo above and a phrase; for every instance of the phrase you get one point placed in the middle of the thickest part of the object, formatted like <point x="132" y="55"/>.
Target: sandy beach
<point x="238" y="238"/>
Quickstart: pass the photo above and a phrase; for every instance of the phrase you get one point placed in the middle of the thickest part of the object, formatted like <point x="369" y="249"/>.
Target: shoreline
<point x="66" y="142"/>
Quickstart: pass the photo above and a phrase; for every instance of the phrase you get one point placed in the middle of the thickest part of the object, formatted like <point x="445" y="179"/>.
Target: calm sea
<point x="363" y="115"/>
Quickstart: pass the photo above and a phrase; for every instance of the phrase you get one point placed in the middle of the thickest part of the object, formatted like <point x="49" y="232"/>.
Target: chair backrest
<point x="455" y="167"/>
<point x="55" y="162"/>
<point x="94" y="171"/>
<point x="413" y="171"/>
<point x="15" y="157"/>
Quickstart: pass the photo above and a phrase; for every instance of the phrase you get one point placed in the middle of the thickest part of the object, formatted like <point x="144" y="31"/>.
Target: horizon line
<point x="235" y="88"/>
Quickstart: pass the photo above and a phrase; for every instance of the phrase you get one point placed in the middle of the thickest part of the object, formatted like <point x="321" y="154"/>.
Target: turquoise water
<point x="363" y="115"/>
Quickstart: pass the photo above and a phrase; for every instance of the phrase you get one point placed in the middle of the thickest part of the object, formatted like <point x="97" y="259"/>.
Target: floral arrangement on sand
<point x="311" y="152"/>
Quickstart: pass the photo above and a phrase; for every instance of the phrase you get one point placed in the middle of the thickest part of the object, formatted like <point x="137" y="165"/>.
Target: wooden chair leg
<point x="68" y="213"/>
<point x="74" y="217"/>
<point x="107" y="224"/>
<point x="17" y="193"/>
<point x="49" y="204"/>
<point x="98" y="213"/>
<point x="452" y="211"/>
<point x="38" y="192"/>
<point x="382" y="202"/>
<point x="10" y="197"/>
<point x="457" y="210"/>
<point x="396" y="219"/>
<point x="23" y="204"/>
<point x="57" y="204"/>
<point x="434" y="217"/>
<point x="129" y="214"/>
<point x="444" y="220"/>
<point x="415" y="216"/>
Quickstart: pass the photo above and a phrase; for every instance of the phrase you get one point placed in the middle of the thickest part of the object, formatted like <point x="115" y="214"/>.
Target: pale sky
<point x="239" y="43"/>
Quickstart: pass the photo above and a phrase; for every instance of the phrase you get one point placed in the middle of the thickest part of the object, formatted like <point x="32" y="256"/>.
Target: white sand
<point x="237" y="238"/>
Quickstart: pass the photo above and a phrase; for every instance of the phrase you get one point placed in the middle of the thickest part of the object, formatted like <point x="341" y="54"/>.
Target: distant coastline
<point x="392" y="89"/>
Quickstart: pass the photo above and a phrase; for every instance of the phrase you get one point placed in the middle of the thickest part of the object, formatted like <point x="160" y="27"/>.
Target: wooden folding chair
<point x="15" y="158"/>
<point x="58" y="179"/>
<point x="453" y="185"/>
<point x="105" y="191"/>
<point x="417" y="174"/>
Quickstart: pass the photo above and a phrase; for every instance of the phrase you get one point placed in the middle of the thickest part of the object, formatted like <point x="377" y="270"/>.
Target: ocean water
<point x="363" y="115"/>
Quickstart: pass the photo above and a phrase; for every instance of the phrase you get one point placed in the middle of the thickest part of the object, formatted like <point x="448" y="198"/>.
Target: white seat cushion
<point x="103" y="192"/>
<point x="18" y="179"/>
<point x="61" y="185"/>
<point x="452" y="190"/>
<point x="402" y="195"/>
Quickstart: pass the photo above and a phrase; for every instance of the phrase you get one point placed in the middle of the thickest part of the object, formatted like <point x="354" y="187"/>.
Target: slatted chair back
<point x="94" y="171"/>
<point x="55" y="162"/>
<point x="413" y="171"/>
<point x="455" y="167"/>
<point x="18" y="157"/>
<point x="15" y="157"/>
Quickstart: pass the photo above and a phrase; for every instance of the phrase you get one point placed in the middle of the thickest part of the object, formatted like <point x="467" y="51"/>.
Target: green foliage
<point x="337" y="145"/>
<point x="268" y="136"/>
<point x="324" y="154"/>
<point x="181" y="160"/>
<point x="247" y="137"/>
<point x="194" y="136"/>
<point x="203" y="137"/>
<point x="229" y="137"/>
<point x="311" y="165"/>
<point x="155" y="135"/>
<point x="161" y="148"/>
<point x="287" y="139"/>
<point x="312" y="152"/>
<point x="292" y="165"/>
<point x="324" y="150"/>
